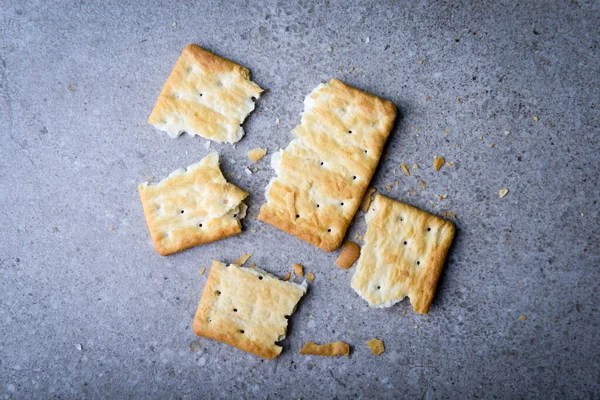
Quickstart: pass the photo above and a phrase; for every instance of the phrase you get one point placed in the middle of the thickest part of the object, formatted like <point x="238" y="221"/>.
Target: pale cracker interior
<point x="324" y="172"/>
<point x="403" y="255"/>
<point x="192" y="206"/>
<point x="205" y="95"/>
<point x="246" y="308"/>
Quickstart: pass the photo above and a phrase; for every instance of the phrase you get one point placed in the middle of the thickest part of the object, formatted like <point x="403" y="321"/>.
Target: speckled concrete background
<point x="88" y="309"/>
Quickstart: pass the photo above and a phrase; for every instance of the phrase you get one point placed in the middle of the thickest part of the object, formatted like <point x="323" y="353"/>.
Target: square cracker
<point x="205" y="95"/>
<point x="403" y="255"/>
<point x="324" y="172"/>
<point x="192" y="206"/>
<point x="246" y="308"/>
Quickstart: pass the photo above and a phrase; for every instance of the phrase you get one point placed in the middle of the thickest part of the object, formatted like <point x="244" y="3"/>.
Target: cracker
<point x="438" y="162"/>
<point x="349" y="254"/>
<point x="205" y="95"/>
<point x="330" y="349"/>
<point x="367" y="199"/>
<point x="256" y="154"/>
<point x="403" y="255"/>
<point x="246" y="308"/>
<point x="192" y="207"/>
<point x="376" y="346"/>
<point x="310" y="277"/>
<point x="324" y="172"/>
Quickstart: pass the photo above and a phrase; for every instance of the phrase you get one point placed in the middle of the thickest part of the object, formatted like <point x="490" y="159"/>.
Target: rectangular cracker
<point x="192" y="206"/>
<point x="403" y="255"/>
<point x="324" y="172"/>
<point x="205" y="95"/>
<point x="246" y="308"/>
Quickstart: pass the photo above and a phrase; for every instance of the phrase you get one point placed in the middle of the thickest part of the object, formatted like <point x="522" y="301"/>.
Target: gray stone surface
<point x="91" y="311"/>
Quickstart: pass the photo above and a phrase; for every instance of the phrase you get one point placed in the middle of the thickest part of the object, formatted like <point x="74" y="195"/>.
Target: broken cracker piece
<point x="298" y="269"/>
<point x="205" y="95"/>
<point x="192" y="206"/>
<point x="349" y="254"/>
<point x="310" y="277"/>
<point x="287" y="276"/>
<point x="256" y="154"/>
<point x="376" y="346"/>
<point x="329" y="350"/>
<point x="405" y="169"/>
<point x="246" y="308"/>
<point x="438" y="162"/>
<point x="324" y="172"/>
<point x="502" y="192"/>
<point x="422" y="184"/>
<point x="243" y="258"/>
<point x="403" y="255"/>
<point x="203" y="270"/>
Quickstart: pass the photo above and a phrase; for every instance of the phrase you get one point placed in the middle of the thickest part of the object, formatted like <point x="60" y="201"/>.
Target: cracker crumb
<point x="328" y="349"/>
<point x="243" y="258"/>
<point x="442" y="196"/>
<point x="335" y="277"/>
<point x="416" y="326"/>
<point x="457" y="145"/>
<point x="427" y="98"/>
<point x="502" y="192"/>
<point x="248" y="171"/>
<point x="450" y="164"/>
<point x="403" y="312"/>
<point x="233" y="174"/>
<point x="458" y="99"/>
<point x="368" y="40"/>
<point x="480" y="137"/>
<point x="112" y="228"/>
<point x="388" y="186"/>
<point x="256" y="154"/>
<point x="360" y="237"/>
<point x="310" y="277"/>
<point x="253" y="230"/>
<point x="367" y="198"/>
<point x="581" y="214"/>
<point x="438" y="162"/>
<point x="535" y="118"/>
<point x="405" y="169"/>
<point x="277" y="121"/>
<point x="492" y="146"/>
<point x="79" y="347"/>
<point x="420" y="62"/>
<point x="507" y="132"/>
<point x="287" y="276"/>
<point x="330" y="49"/>
<point x="148" y="177"/>
<point x="396" y="182"/>
<point x="422" y="184"/>
<point x="203" y="270"/>
<point x="445" y="131"/>
<point x="350" y="253"/>
<point x="351" y="69"/>
<point x="376" y="346"/>
<point x="415" y="166"/>
<point x="448" y="214"/>
<point x="298" y="269"/>
<point x="522" y="318"/>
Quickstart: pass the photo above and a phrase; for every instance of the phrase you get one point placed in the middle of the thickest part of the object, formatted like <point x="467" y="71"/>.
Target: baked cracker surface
<point x="404" y="251"/>
<point x="192" y="206"/>
<point x="246" y="308"/>
<point x="324" y="172"/>
<point x="205" y="95"/>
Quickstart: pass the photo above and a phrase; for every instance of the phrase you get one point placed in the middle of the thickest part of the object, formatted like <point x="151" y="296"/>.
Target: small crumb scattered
<point x="298" y="269"/>
<point x="420" y="62"/>
<point x="522" y="318"/>
<point x="253" y="230"/>
<point x="287" y="276"/>
<point x="367" y="198"/>
<point x="203" y="270"/>
<point x="328" y="349"/>
<point x="507" y="132"/>
<point x="403" y="312"/>
<point x="415" y="166"/>
<point x="79" y="347"/>
<point x="416" y="326"/>
<point x="248" y="171"/>
<point x="502" y="192"/>
<point x="388" y="186"/>
<point x="422" y="184"/>
<point x="112" y="228"/>
<point x="427" y="98"/>
<point x="360" y="237"/>
<point x="448" y="214"/>
<point x="148" y="177"/>
<point x="458" y="99"/>
<point x="405" y="169"/>
<point x="480" y="137"/>
<point x="243" y="258"/>
<point x="233" y="174"/>
<point x="457" y="145"/>
<point x="256" y="154"/>
<point x="535" y="118"/>
<point x="376" y="346"/>
<point x="330" y="49"/>
<point x="335" y="277"/>
<point x="350" y="253"/>
<point x="351" y="69"/>
<point x="581" y="214"/>
<point x="310" y="277"/>
<point x="445" y="131"/>
<point x="396" y="183"/>
<point x="492" y="145"/>
<point x="442" y="196"/>
<point x="438" y="162"/>
<point x="450" y="164"/>
<point x="207" y="144"/>
<point x="174" y="25"/>
<point x="277" y="121"/>
<point x="367" y="39"/>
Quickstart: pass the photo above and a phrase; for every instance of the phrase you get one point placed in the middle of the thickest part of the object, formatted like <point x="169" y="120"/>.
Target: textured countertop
<point x="508" y="91"/>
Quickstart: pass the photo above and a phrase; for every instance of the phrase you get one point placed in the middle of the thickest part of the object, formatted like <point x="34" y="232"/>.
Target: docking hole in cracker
<point x="403" y="255"/>
<point x="247" y="308"/>
<point x="205" y="95"/>
<point x="323" y="173"/>
<point x="192" y="206"/>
